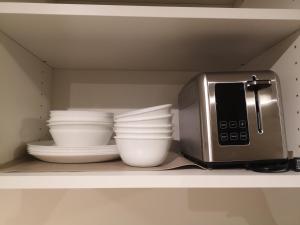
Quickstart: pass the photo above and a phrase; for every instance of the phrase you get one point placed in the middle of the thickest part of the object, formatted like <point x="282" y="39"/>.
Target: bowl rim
<point x="146" y="118"/>
<point x="68" y="112"/>
<point x="146" y="126"/>
<point x="143" y="138"/>
<point x="144" y="110"/>
<point x="49" y="122"/>
<point x="147" y="132"/>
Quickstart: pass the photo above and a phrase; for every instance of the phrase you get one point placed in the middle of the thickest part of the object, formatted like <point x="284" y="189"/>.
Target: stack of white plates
<point x="144" y="136"/>
<point x="79" y="137"/>
<point x="49" y="152"/>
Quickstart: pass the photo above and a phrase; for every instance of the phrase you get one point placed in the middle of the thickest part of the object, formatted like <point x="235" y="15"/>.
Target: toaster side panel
<point x="189" y="120"/>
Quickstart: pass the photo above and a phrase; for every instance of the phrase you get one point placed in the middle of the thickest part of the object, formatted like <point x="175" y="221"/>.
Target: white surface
<point x="74" y="157"/>
<point x="149" y="120"/>
<point x="145" y="133"/>
<point x="145" y="38"/>
<point x="49" y="146"/>
<point x="80" y="115"/>
<point x="84" y="113"/>
<point x="81" y="137"/>
<point x="143" y="151"/>
<point x="79" y="124"/>
<point x="47" y="151"/>
<point x="142" y="129"/>
<point x="146" y="112"/>
<point x="190" y="178"/>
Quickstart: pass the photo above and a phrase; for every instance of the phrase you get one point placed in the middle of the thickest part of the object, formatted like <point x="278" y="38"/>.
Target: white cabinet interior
<point x="28" y="88"/>
<point x="92" y="56"/>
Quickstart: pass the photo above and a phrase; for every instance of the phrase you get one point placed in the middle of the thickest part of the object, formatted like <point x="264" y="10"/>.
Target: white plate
<point x="48" y="152"/>
<point x="75" y="158"/>
<point x="50" y="146"/>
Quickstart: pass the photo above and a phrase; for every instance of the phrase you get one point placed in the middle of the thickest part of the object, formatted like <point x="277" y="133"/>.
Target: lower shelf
<point x="180" y="178"/>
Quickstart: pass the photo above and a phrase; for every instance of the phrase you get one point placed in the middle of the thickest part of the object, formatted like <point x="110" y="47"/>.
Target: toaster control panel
<point x="231" y="114"/>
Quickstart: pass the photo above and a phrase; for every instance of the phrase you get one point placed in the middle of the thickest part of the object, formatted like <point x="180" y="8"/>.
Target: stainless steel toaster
<point x="232" y="117"/>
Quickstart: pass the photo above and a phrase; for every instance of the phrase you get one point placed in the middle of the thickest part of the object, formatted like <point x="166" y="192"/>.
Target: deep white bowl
<point x="164" y="134"/>
<point x="145" y="121"/>
<point x="151" y="111"/>
<point x="81" y="137"/>
<point x="145" y="128"/>
<point x="143" y="152"/>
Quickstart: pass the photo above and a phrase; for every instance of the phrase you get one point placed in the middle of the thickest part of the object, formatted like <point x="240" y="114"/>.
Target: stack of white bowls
<point x="80" y="128"/>
<point x="144" y="136"/>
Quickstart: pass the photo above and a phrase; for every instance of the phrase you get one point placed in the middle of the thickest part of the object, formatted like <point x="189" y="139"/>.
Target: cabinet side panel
<point x="24" y="95"/>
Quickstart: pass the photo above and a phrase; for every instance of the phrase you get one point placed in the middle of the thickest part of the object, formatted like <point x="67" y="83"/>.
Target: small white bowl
<point x="153" y="120"/>
<point x="138" y="128"/>
<point x="151" y="111"/>
<point x="81" y="137"/>
<point x="163" y="134"/>
<point x="143" y="152"/>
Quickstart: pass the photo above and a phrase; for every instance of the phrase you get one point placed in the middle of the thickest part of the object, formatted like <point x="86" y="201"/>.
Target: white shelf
<point x="145" y="37"/>
<point x="188" y="178"/>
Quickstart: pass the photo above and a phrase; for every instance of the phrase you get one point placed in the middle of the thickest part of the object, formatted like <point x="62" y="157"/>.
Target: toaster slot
<point x="231" y="114"/>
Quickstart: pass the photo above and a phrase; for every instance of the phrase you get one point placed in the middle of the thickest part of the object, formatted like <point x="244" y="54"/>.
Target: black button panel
<point x="231" y="114"/>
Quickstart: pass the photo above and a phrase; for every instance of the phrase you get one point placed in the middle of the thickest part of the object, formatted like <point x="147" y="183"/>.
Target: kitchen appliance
<point x="232" y="118"/>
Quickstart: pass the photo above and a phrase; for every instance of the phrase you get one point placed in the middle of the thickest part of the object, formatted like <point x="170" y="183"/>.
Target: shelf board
<point x="181" y="178"/>
<point x="116" y="37"/>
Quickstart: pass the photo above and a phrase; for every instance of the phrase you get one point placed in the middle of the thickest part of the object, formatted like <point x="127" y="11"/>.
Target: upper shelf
<point x="145" y="37"/>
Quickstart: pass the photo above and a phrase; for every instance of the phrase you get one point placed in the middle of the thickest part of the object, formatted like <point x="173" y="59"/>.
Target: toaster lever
<point x="255" y="85"/>
<point x="258" y="84"/>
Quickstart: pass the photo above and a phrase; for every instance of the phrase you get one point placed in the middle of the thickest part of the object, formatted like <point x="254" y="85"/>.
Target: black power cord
<point x="274" y="167"/>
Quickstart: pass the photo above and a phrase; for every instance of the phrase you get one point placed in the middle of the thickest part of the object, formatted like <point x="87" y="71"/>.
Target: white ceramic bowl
<point x="80" y="118"/>
<point x="79" y="125"/>
<point x="81" y="137"/>
<point x="151" y="111"/>
<point x="153" y="120"/>
<point x="80" y="113"/>
<point x="138" y="128"/>
<point x="143" y="152"/>
<point x="70" y="115"/>
<point x="164" y="134"/>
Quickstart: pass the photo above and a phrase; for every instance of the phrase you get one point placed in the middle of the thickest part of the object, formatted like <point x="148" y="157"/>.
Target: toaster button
<point x="243" y="136"/>
<point x="224" y="136"/>
<point x="223" y="124"/>
<point x="242" y="124"/>
<point x="234" y="136"/>
<point x="233" y="124"/>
